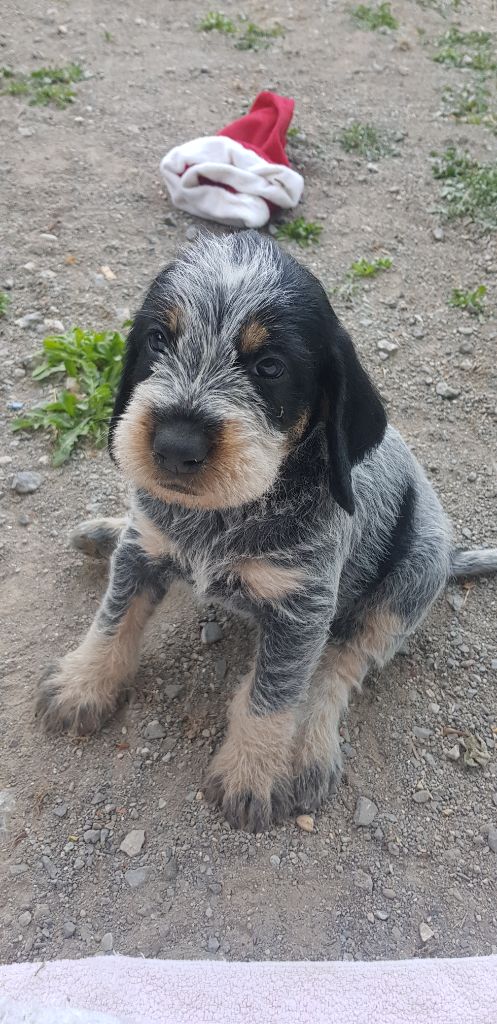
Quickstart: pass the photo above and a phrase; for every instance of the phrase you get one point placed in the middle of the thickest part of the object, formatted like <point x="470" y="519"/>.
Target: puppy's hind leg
<point x="98" y="538"/>
<point x="317" y="755"/>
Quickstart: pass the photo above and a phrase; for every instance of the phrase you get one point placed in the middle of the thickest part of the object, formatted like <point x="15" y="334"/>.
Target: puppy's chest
<point x="222" y="562"/>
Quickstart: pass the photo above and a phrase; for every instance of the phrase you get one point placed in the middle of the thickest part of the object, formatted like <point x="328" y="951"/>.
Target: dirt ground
<point x="80" y="190"/>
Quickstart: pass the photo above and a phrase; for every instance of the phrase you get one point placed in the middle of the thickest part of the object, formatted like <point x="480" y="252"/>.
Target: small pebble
<point x="213" y="944"/>
<point x="421" y="796"/>
<point x="133" y="842"/>
<point x="26" y="482"/>
<point x="362" y="880"/>
<point x="154" y="731"/>
<point x="305" y="822"/>
<point x="68" y="929"/>
<point x="438" y="234"/>
<point x="425" y="932"/>
<point x="107" y="943"/>
<point x="274" y="861"/>
<point x="445" y="390"/>
<point x="191" y="232"/>
<point x="492" y="838"/>
<point x="389" y="347"/>
<point x="136" y="877"/>
<point x="211" y="633"/>
<point x="365" y="812"/>
<point x="60" y="810"/>
<point x="25" y="919"/>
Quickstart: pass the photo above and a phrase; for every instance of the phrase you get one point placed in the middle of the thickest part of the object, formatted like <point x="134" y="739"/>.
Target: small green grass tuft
<point x="367" y="268"/>
<point x="470" y="188"/>
<point x="255" y="38"/>
<point x="303" y="232"/>
<point x="45" y="85"/>
<point x="365" y="140"/>
<point x="466" y="50"/>
<point x="375" y="17"/>
<point x="294" y="133"/>
<point x="472" y="301"/>
<point x="470" y="104"/>
<point x="250" y="35"/>
<point x="215" y="21"/>
<point x="108" y="37"/>
<point x="91" y="364"/>
<point x="4" y="303"/>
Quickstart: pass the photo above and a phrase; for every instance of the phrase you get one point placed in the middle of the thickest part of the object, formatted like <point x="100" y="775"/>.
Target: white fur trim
<point x="221" y="159"/>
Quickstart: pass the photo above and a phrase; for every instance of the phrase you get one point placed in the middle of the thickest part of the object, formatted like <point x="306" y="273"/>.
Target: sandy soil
<point x="80" y="189"/>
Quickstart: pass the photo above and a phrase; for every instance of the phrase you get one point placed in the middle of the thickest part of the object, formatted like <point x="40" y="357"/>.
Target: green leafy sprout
<point x="215" y="21"/>
<point x="4" y="303"/>
<point x="365" y="140"/>
<point x="466" y="50"/>
<point x="472" y="301"/>
<point x="374" y="18"/>
<point x="367" y="268"/>
<point x="303" y="232"/>
<point x="86" y="366"/>
<point x="470" y="104"/>
<point x="43" y="86"/>
<point x="249" y="35"/>
<point x="469" y="189"/>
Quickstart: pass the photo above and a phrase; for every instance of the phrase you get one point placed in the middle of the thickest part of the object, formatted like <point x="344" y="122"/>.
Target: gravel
<point x="136" y="877"/>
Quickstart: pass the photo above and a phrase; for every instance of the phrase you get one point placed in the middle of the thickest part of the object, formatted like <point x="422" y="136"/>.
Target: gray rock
<point x="60" y="810"/>
<point x="27" y="320"/>
<point x="421" y="733"/>
<point x="220" y="667"/>
<point x="362" y="880"/>
<point x="136" y="877"/>
<point x="382" y="915"/>
<point x="172" y="690"/>
<point x="492" y="838"/>
<point x="445" y="390"/>
<point x="421" y="796"/>
<point x="274" y="861"/>
<point x="365" y="812"/>
<point x="133" y="842"/>
<point x="154" y="731"/>
<point x="211" y="633"/>
<point x="213" y="944"/>
<point x="456" y="600"/>
<point x="49" y="867"/>
<point x="25" y="919"/>
<point x="26" y="482"/>
<point x="393" y="849"/>
<point x="107" y="943"/>
<point x="386" y="346"/>
<point x="191" y="232"/>
<point x="92" y="835"/>
<point x="18" y="869"/>
<point x="170" y="870"/>
<point x="99" y="798"/>
<point x="68" y="929"/>
<point x="438" y="234"/>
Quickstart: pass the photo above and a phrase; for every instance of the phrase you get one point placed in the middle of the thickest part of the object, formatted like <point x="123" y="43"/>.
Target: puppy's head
<point x="233" y="358"/>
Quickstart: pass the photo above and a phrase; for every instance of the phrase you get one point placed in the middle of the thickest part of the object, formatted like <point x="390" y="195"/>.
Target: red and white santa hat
<point x="241" y="174"/>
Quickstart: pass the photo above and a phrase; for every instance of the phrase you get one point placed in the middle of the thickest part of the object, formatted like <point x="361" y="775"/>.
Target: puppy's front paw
<point x="313" y="785"/>
<point x="65" y="704"/>
<point x="244" y="806"/>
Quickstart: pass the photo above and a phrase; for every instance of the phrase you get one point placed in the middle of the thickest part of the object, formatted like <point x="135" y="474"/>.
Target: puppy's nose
<point x="180" y="447"/>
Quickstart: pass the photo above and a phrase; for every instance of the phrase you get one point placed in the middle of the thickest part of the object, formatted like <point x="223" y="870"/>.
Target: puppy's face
<point x="223" y="374"/>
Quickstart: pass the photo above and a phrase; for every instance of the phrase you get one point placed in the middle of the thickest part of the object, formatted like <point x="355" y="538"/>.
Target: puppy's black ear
<point x="355" y="420"/>
<point x="128" y="379"/>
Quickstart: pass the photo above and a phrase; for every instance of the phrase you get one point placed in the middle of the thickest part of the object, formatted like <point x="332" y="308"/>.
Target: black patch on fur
<point x="399" y="541"/>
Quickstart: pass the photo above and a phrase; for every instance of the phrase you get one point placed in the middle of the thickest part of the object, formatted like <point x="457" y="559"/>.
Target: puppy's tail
<point x="478" y="562"/>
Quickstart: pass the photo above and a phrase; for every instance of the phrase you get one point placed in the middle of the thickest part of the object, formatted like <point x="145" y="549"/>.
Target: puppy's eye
<point x="157" y="341"/>
<point x="269" y="367"/>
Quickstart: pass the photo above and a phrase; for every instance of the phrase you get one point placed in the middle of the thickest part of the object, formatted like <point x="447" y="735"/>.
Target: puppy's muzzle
<point x="180" y="447"/>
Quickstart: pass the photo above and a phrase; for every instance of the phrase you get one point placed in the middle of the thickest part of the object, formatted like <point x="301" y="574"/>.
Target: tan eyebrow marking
<point x="253" y="337"/>
<point x="173" y="317"/>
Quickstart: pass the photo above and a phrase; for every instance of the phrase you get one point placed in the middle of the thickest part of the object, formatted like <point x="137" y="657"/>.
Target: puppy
<point x="264" y="473"/>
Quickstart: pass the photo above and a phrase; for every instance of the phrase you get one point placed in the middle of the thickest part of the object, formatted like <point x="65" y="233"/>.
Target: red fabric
<point x="264" y="128"/>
